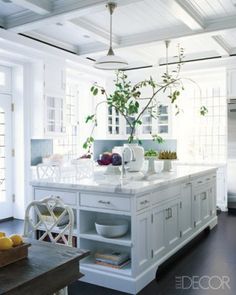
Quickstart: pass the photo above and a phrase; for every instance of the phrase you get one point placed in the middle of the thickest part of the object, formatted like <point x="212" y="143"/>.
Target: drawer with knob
<point x="143" y="202"/>
<point x="68" y="198"/>
<point x="104" y="202"/>
<point x="204" y="180"/>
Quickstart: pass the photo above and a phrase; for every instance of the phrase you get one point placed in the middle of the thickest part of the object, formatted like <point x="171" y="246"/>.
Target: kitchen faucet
<point x="132" y="158"/>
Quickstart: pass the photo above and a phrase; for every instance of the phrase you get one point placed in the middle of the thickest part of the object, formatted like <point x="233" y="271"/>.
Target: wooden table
<point x="47" y="269"/>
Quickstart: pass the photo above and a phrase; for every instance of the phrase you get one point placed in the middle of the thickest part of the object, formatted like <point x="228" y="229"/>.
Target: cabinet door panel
<point x="186" y="212"/>
<point x="143" y="240"/>
<point x="204" y="196"/>
<point x="197" y="216"/>
<point x="172" y="225"/>
<point x="212" y="199"/>
<point x="158" y="233"/>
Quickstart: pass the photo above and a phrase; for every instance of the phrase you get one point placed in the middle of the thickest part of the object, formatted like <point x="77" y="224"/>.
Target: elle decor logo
<point x="202" y="282"/>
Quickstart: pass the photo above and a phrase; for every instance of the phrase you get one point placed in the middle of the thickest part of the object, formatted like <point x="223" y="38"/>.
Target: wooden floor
<point x="211" y="254"/>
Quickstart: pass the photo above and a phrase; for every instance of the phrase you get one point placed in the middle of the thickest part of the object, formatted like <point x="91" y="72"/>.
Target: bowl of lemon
<point x="12" y="248"/>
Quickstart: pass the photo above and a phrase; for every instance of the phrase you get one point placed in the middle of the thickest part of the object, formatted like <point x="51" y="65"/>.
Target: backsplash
<point x="101" y="146"/>
<point x="40" y="148"/>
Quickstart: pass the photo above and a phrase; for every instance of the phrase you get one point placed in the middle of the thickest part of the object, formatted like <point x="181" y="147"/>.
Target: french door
<point x="6" y="202"/>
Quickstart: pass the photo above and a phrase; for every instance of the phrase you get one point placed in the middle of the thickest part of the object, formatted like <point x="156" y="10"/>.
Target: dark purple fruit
<point x="116" y="159"/>
<point x="106" y="159"/>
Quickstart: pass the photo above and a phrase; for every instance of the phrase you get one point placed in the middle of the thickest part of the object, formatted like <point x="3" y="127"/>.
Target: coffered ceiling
<point x="205" y="28"/>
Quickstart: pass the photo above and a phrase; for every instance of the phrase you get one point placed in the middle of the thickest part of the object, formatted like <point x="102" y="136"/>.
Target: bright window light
<point x="2" y="79"/>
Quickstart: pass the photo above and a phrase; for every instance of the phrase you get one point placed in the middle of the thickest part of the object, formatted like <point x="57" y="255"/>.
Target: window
<point x="5" y="79"/>
<point x="2" y="79"/>
<point x="203" y="138"/>
<point x="68" y="144"/>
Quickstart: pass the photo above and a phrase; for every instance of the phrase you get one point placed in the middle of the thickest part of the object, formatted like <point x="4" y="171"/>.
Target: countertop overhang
<point x="134" y="183"/>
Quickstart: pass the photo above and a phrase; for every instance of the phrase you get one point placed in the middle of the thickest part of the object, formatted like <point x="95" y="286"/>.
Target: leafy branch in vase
<point x="128" y="102"/>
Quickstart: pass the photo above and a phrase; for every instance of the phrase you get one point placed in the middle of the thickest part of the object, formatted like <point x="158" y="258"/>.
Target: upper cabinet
<point x="54" y="93"/>
<point x="54" y="78"/>
<point x="231" y="83"/>
<point x="48" y="103"/>
<point x="112" y="125"/>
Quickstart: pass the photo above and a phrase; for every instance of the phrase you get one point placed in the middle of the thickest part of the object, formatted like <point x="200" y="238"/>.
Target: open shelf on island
<point x="92" y="235"/>
<point x="90" y="263"/>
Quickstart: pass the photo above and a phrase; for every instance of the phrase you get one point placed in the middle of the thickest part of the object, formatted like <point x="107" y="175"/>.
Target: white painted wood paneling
<point x="139" y="17"/>
<point x="7" y="9"/>
<point x="210" y="9"/>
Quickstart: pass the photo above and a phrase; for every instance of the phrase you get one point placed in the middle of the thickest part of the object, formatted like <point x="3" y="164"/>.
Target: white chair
<point x="45" y="171"/>
<point x="48" y="215"/>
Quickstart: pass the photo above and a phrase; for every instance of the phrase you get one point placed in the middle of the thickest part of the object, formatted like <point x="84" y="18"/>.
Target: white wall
<point x="22" y="92"/>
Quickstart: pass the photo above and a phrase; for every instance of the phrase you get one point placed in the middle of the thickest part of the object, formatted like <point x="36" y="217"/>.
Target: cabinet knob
<point x="144" y="202"/>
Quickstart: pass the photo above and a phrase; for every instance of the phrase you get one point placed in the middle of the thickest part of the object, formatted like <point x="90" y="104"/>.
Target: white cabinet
<point x="159" y="223"/>
<point x="143" y="257"/>
<point x="54" y="92"/>
<point x="47" y="108"/>
<point x="54" y="119"/>
<point x="112" y="125"/>
<point x="54" y="78"/>
<point x="172" y="229"/>
<point x="186" y="212"/>
<point x="204" y="203"/>
<point x="221" y="188"/>
<point x="158" y="232"/>
<point x="231" y="83"/>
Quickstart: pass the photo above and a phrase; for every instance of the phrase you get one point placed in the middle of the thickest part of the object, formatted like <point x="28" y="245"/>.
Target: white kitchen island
<point x="164" y="213"/>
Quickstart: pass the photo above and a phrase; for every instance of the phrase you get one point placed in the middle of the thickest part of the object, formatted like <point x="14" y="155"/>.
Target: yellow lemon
<point x="16" y="240"/>
<point x="2" y="234"/>
<point x="5" y="243"/>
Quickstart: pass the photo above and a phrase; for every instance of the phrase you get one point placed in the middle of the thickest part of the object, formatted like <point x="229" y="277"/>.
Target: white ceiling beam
<point x="221" y="45"/>
<point x="182" y="10"/>
<point x="51" y="41"/>
<point x="37" y="6"/>
<point x="93" y="31"/>
<point x="30" y="49"/>
<point x="72" y="9"/>
<point x="176" y="32"/>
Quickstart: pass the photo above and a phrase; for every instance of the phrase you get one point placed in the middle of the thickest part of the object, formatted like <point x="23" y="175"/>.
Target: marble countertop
<point x="133" y="184"/>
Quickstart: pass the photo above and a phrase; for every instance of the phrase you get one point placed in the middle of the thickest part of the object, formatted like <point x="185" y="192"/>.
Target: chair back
<point x="45" y="171"/>
<point x="53" y="217"/>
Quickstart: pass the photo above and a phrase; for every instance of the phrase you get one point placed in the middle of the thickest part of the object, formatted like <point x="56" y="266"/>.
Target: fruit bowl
<point x="112" y="170"/>
<point x="112" y="228"/>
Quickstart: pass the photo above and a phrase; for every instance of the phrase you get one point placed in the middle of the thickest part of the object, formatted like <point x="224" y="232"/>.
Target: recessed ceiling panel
<point x="213" y="9"/>
<point x="7" y="9"/>
<point x="67" y="33"/>
<point x="230" y="37"/>
<point x="135" y="18"/>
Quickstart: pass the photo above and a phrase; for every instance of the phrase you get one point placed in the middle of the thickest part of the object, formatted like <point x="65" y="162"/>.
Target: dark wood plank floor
<point x="212" y="254"/>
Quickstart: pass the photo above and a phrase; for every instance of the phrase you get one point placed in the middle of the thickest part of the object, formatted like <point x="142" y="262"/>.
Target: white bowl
<point x="111" y="228"/>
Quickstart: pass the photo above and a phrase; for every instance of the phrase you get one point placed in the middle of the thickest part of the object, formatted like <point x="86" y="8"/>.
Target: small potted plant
<point x="151" y="155"/>
<point x="167" y="157"/>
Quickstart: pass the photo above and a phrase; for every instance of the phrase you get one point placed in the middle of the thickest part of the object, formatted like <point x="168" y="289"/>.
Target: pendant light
<point x="167" y="43"/>
<point x="110" y="61"/>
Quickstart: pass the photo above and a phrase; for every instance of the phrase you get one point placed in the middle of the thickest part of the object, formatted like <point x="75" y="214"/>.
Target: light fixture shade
<point x="110" y="62"/>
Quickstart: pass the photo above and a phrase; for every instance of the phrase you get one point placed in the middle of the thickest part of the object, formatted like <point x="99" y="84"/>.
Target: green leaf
<point x="203" y="110"/>
<point x="89" y="118"/>
<point x="95" y="91"/>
